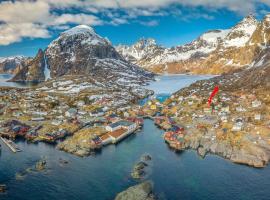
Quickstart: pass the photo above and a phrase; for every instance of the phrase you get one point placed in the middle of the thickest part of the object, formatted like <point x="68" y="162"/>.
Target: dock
<point x="11" y="145"/>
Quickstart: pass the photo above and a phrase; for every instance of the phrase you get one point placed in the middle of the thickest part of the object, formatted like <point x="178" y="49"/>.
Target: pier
<point x="13" y="147"/>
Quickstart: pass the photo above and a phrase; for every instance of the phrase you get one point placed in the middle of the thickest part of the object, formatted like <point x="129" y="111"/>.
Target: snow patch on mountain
<point x="86" y="34"/>
<point x="241" y="33"/>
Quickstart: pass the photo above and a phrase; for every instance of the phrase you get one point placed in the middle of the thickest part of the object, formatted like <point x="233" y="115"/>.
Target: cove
<point x="182" y="175"/>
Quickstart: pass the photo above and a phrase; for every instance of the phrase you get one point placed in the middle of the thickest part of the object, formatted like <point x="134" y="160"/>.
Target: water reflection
<point x="4" y="78"/>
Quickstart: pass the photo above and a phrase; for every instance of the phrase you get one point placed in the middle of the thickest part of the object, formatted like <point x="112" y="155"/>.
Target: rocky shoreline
<point x="142" y="191"/>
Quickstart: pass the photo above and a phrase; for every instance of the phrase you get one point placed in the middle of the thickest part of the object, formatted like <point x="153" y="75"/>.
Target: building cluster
<point x="41" y="116"/>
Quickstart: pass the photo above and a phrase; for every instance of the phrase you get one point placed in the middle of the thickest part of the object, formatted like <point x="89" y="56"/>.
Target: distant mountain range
<point x="214" y="52"/>
<point x="12" y="65"/>
<point x="80" y="51"/>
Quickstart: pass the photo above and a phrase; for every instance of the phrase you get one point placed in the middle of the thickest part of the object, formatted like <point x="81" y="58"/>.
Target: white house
<point x="257" y="117"/>
<point x="256" y="103"/>
<point x="240" y="109"/>
<point x="121" y="124"/>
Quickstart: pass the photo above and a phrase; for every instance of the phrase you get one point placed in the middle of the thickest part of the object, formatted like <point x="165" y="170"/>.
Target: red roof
<point x="104" y="137"/>
<point x="117" y="133"/>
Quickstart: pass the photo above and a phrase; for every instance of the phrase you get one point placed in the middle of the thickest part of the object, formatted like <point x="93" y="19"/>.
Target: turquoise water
<point x="175" y="175"/>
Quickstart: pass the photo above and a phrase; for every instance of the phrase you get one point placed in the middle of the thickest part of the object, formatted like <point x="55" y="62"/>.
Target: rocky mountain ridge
<point x="81" y="51"/>
<point x="214" y="52"/>
<point x="12" y="64"/>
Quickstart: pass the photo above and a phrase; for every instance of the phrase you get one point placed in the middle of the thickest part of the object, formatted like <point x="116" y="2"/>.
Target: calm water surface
<point x="101" y="177"/>
<point x="5" y="77"/>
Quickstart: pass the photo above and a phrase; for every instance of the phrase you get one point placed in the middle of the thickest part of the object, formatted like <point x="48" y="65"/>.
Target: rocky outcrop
<point x="141" y="168"/>
<point x="251" y="154"/>
<point x="33" y="71"/>
<point x="214" y="52"/>
<point x="143" y="191"/>
<point x="81" y="143"/>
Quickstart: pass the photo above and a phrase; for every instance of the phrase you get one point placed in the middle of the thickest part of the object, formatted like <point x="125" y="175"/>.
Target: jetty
<point x="11" y="145"/>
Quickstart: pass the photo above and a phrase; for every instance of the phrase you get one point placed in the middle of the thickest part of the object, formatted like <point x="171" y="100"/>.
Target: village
<point x="89" y="120"/>
<point x="234" y="126"/>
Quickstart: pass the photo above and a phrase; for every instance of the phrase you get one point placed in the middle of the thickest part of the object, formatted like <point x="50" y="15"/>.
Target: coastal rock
<point x="143" y="191"/>
<point x="41" y="165"/>
<point x="138" y="170"/>
<point x="252" y="156"/>
<point x="202" y="151"/>
<point x="137" y="174"/>
<point x="80" y="143"/>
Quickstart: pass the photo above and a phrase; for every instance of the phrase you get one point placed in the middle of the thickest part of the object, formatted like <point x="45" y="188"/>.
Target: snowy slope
<point x="241" y="33"/>
<point x="81" y="51"/>
<point x="213" y="49"/>
<point x="139" y="50"/>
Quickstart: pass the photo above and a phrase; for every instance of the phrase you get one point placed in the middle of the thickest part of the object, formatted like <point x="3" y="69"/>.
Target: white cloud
<point x="10" y="33"/>
<point x="38" y="16"/>
<point x="23" y="12"/>
<point x="32" y="19"/>
<point x="75" y="19"/>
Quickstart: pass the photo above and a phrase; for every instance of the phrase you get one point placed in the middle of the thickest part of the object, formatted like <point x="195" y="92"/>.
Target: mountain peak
<point x="80" y="29"/>
<point x="250" y="17"/>
<point x="83" y="34"/>
<point x="266" y="18"/>
<point x="144" y="42"/>
<point x="247" y="21"/>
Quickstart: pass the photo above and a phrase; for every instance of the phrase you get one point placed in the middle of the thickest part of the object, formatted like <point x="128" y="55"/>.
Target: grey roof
<point x="121" y="123"/>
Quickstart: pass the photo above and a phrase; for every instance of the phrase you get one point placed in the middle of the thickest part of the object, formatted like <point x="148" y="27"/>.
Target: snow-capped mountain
<point x="12" y="64"/>
<point x="81" y="51"/>
<point x="139" y="50"/>
<point x="214" y="52"/>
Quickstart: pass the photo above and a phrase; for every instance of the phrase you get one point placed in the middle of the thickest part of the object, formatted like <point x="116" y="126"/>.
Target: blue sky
<point x="26" y="26"/>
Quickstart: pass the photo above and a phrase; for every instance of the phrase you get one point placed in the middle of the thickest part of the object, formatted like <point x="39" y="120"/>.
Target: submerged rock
<point x="143" y="191"/>
<point x="137" y="174"/>
<point x="63" y="161"/>
<point x="146" y="157"/>
<point x="141" y="168"/>
<point x="3" y="188"/>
